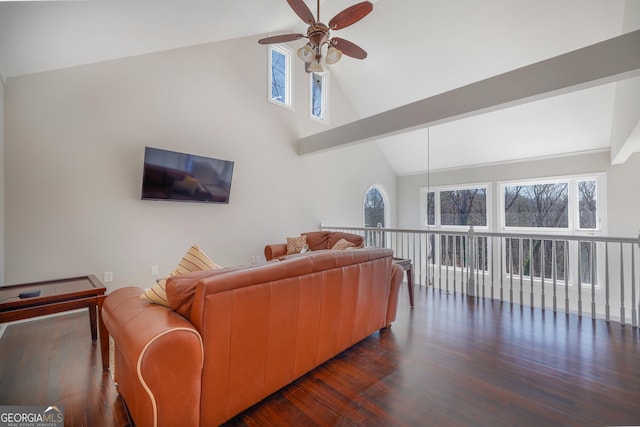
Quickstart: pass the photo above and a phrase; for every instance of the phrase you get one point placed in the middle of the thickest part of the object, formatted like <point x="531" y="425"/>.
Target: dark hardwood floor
<point x="448" y="362"/>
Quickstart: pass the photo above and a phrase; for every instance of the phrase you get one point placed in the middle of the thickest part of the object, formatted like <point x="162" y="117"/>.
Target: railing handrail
<point x="524" y="235"/>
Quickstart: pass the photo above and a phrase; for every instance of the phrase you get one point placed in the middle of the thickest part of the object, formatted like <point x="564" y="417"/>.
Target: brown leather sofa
<point x="234" y="336"/>
<point x="316" y="240"/>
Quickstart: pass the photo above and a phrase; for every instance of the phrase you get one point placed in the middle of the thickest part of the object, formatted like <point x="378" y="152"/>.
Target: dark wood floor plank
<point x="449" y="361"/>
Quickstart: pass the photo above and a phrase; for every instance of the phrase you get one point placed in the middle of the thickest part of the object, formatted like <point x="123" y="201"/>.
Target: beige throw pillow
<point x="295" y="244"/>
<point x="343" y="244"/>
<point x="194" y="260"/>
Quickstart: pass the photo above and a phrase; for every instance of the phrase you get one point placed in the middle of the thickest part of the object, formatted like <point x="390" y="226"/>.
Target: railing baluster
<point x="532" y="267"/>
<point x="554" y="274"/>
<point x="634" y="319"/>
<point x="501" y="271"/>
<point x="543" y="272"/>
<point x="438" y="244"/>
<point x="593" y="280"/>
<point x="454" y="260"/>
<point x="566" y="277"/>
<point x="579" y="278"/>
<point x="483" y="254"/>
<point x="448" y="257"/>
<point x="521" y="260"/>
<point x="511" y="271"/>
<point x="607" y="312"/>
<point x="622" y="316"/>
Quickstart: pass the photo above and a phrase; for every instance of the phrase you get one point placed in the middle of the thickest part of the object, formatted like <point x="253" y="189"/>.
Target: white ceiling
<point x="417" y="49"/>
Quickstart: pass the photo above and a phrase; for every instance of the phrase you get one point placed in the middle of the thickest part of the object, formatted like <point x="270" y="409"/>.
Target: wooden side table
<point x="57" y="296"/>
<point x="408" y="268"/>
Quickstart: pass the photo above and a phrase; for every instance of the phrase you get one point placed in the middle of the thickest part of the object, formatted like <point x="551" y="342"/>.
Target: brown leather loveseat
<point x="234" y="336"/>
<point x="316" y="240"/>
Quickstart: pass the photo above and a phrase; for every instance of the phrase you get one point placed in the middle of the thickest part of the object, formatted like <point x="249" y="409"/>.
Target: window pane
<point x="431" y="208"/>
<point x="374" y="215"/>
<point x="278" y="76"/>
<point x="464" y="207"/>
<point x="587" y="204"/>
<point x="538" y="205"/>
<point x="373" y="208"/>
<point x="317" y="93"/>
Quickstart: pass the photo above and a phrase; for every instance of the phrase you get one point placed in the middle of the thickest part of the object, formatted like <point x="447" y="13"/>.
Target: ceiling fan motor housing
<point x="318" y="34"/>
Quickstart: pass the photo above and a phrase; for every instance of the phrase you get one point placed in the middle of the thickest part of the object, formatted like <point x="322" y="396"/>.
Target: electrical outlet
<point x="107" y="277"/>
<point x="154" y="270"/>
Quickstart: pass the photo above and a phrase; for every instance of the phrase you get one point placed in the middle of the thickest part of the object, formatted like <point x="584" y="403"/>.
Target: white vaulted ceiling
<point x="417" y="49"/>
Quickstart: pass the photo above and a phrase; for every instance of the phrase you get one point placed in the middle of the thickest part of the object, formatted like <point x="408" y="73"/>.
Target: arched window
<point x="375" y="212"/>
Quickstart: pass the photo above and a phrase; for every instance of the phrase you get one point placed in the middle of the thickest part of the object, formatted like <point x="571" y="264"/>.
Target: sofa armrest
<point x="159" y="359"/>
<point x="275" y="250"/>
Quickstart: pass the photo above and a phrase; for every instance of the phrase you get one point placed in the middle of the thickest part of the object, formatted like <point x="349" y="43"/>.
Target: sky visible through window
<point x="278" y="76"/>
<point x="317" y="94"/>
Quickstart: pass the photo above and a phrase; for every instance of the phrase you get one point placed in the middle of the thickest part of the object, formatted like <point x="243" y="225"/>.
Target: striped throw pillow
<point x="194" y="260"/>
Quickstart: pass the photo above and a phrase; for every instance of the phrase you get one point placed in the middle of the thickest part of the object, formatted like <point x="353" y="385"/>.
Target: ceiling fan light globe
<point x="333" y="55"/>
<point x="306" y="53"/>
<point x="315" y="67"/>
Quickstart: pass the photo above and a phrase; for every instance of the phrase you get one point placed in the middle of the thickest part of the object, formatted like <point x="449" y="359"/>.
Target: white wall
<point x="2" y="180"/>
<point x="74" y="151"/>
<point x="623" y="199"/>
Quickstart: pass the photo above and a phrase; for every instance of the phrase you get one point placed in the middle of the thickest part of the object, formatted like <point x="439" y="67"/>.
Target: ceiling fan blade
<point x="281" y="38"/>
<point x="351" y="15"/>
<point x="302" y="10"/>
<point x="348" y="48"/>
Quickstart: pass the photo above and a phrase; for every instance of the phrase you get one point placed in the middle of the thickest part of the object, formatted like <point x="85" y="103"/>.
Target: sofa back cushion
<point x="318" y="240"/>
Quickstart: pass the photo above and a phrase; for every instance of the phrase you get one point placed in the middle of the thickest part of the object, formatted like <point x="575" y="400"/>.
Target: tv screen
<point x="169" y="175"/>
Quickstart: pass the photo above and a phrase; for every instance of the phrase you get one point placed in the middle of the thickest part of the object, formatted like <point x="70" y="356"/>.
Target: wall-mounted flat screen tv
<point x="169" y="175"/>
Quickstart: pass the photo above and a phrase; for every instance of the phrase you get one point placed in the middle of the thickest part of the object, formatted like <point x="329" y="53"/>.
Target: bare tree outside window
<point x="587" y="204"/>
<point x="278" y="76"/>
<point x="373" y="214"/>
<point x="537" y="205"/>
<point x="464" y="207"/>
<point x="431" y="208"/>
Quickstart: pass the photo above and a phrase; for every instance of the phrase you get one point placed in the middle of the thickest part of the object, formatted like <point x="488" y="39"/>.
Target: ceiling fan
<point x="318" y="35"/>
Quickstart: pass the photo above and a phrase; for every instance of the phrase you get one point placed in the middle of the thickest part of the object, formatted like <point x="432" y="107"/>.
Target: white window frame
<point x="288" y="101"/>
<point x="369" y="236"/>
<point x="324" y="102"/>
<point x="438" y="221"/>
<point x="385" y="200"/>
<point x="573" y="220"/>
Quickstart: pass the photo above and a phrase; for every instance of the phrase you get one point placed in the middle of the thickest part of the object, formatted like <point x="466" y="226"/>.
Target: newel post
<point x="471" y="288"/>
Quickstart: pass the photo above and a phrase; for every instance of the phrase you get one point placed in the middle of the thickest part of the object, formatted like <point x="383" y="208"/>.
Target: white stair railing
<point x="538" y="270"/>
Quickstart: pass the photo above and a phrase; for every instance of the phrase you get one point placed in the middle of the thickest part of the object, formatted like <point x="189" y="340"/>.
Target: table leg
<point x="104" y="337"/>
<point x="92" y="322"/>
<point x="410" y="285"/>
